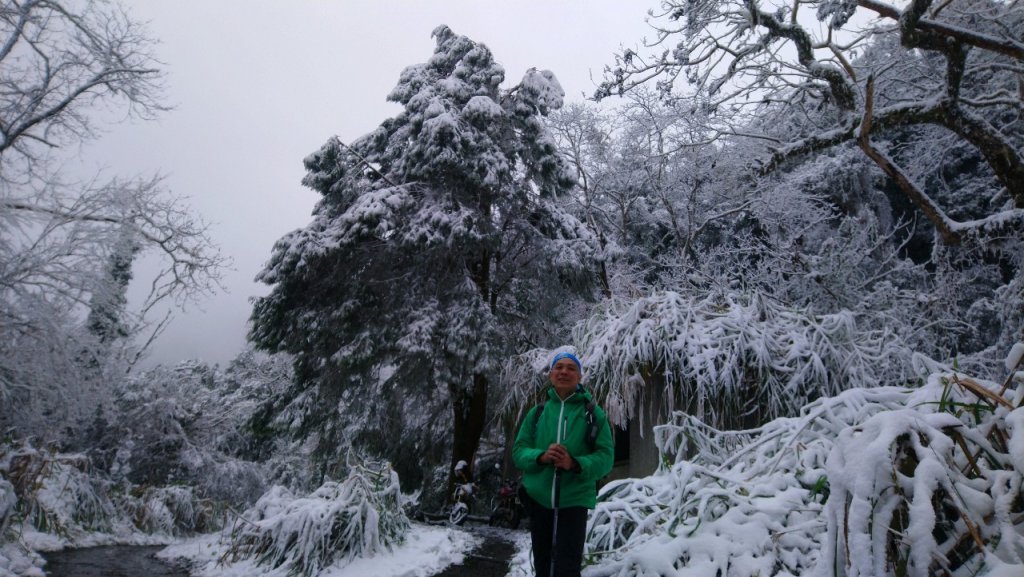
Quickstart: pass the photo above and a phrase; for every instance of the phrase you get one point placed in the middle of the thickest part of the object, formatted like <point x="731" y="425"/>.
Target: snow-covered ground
<point x="427" y="550"/>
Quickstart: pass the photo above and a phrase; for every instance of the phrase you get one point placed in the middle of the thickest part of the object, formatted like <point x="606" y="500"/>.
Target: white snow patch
<point x="427" y="550"/>
<point x="1015" y="446"/>
<point x="1015" y="357"/>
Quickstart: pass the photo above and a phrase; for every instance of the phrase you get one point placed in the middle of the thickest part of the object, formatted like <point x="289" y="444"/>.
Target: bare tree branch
<point x="931" y="211"/>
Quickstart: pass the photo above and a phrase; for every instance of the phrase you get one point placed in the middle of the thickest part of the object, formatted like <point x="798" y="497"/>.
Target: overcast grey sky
<point x="257" y="85"/>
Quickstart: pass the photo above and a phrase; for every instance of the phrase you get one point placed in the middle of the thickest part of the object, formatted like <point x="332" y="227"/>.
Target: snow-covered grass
<point x="343" y="529"/>
<point x="351" y="528"/>
<point x="18" y="561"/>
<point x="175" y="510"/>
<point x="427" y="550"/>
<point x="58" y="494"/>
<point x="361" y="516"/>
<point x="50" y="501"/>
<point x="871" y="482"/>
<point x="721" y="358"/>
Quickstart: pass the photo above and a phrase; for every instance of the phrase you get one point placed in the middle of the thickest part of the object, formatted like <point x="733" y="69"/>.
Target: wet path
<point x="489" y="559"/>
<point x="113" y="561"/>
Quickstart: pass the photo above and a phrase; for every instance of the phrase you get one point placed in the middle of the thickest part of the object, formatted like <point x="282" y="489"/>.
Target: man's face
<point x="564" y="376"/>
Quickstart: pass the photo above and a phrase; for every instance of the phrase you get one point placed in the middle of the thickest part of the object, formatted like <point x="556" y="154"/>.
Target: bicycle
<point x="507" y="507"/>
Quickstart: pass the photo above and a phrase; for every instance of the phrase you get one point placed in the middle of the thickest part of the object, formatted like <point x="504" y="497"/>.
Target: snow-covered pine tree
<point x="106" y="319"/>
<point x="437" y="249"/>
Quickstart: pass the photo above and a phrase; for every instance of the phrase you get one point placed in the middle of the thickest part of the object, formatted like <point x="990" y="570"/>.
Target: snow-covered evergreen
<point x="438" y="247"/>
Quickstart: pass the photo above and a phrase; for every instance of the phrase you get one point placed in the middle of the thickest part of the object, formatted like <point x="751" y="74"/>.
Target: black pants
<point x="572" y="532"/>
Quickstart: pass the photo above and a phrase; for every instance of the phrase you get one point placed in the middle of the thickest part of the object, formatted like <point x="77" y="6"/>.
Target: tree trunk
<point x="469" y="408"/>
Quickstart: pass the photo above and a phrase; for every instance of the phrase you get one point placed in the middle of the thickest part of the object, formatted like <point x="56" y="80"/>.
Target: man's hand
<point x="558" y="456"/>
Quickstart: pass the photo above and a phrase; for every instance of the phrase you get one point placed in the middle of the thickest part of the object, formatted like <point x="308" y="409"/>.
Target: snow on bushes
<point x="60" y="495"/>
<point x="175" y="510"/>
<point x="56" y="494"/>
<point x="8" y="499"/>
<point x="871" y="482"/>
<point x="359" y="517"/>
<point x="727" y="357"/>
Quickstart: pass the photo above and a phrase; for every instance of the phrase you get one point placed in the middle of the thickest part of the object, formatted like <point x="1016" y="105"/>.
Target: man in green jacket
<point x="561" y="464"/>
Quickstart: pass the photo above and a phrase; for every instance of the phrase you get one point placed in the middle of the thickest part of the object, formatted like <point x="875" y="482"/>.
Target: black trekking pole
<point x="554" y="520"/>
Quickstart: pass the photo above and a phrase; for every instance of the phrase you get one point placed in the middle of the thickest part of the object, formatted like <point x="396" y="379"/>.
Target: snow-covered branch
<point x="874" y="481"/>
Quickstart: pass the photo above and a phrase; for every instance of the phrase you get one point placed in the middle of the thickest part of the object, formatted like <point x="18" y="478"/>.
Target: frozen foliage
<point x="168" y="459"/>
<point x="175" y="510"/>
<point x="56" y="494"/>
<point x="871" y="482"/>
<point x="68" y="240"/>
<point x="8" y="499"/>
<point x="1015" y="358"/>
<point x="61" y="495"/>
<point x="837" y="12"/>
<point x="882" y="103"/>
<point x="361" y="516"/>
<point x="191" y="424"/>
<point x="731" y="360"/>
<point x="427" y="551"/>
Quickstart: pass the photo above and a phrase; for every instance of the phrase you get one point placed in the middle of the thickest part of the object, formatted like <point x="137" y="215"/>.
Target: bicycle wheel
<point x="458" y="514"/>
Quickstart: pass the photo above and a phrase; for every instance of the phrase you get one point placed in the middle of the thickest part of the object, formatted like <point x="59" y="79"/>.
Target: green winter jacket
<point x="578" y="488"/>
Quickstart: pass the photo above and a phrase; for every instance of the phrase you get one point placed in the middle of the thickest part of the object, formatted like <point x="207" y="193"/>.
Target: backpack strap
<point x="593" y="427"/>
<point x="536" y="415"/>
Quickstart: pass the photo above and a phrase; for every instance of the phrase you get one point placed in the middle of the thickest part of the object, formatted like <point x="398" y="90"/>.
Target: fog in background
<point x="258" y="85"/>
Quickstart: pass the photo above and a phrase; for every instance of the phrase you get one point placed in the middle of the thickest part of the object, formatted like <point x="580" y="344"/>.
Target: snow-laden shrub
<point x="56" y="493"/>
<point x="174" y="511"/>
<point x="871" y="482"/>
<point x="189" y="424"/>
<point x="358" y="517"/>
<point x="732" y="359"/>
<point x="8" y="499"/>
<point x="61" y="495"/>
